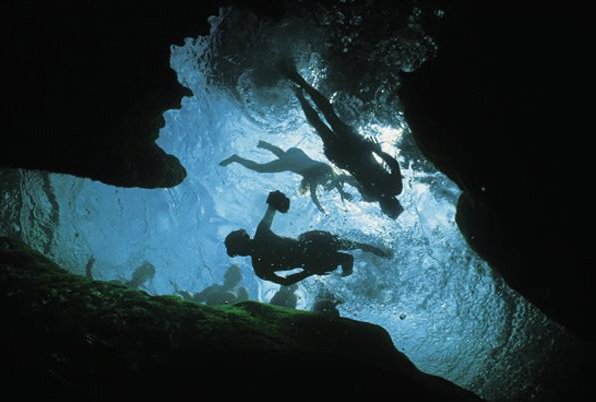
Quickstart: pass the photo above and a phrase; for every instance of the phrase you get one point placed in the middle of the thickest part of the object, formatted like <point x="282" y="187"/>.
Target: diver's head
<point x="391" y="207"/>
<point x="233" y="276"/>
<point x="318" y="175"/>
<point x="238" y="243"/>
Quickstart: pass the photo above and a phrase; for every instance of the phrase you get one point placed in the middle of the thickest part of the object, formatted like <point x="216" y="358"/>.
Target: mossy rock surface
<point x="91" y="340"/>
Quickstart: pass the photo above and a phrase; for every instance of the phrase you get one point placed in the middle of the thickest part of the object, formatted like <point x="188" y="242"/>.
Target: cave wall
<point x="501" y="111"/>
<point x="86" y="84"/>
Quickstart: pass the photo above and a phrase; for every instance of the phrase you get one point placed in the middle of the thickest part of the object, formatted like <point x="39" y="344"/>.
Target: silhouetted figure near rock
<point x="326" y="303"/>
<point x="285" y="297"/>
<point x="89" y="268"/>
<point x="144" y="272"/>
<point x="227" y="293"/>
<point x="294" y="160"/>
<point x="350" y="151"/>
<point x="315" y="252"/>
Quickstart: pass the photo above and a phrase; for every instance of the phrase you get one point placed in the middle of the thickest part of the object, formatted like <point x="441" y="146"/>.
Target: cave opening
<point x="442" y="305"/>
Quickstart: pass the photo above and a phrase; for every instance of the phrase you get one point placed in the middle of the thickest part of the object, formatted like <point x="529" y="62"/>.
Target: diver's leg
<point x="322" y="103"/>
<point x="344" y="244"/>
<point x="288" y="68"/>
<point x="229" y="160"/>
<point x="280" y="153"/>
<point x="278" y="165"/>
<point x="313" y="118"/>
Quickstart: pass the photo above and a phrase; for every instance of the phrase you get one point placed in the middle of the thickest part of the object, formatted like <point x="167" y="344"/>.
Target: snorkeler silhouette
<point x="285" y="297"/>
<point x="316" y="252"/>
<point x="227" y="293"/>
<point x="143" y="273"/>
<point x="350" y="151"/>
<point x="294" y="160"/>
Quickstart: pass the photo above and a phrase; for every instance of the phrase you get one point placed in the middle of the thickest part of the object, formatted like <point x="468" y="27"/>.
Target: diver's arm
<point x="266" y="222"/>
<point x="313" y="196"/>
<point x="276" y="201"/>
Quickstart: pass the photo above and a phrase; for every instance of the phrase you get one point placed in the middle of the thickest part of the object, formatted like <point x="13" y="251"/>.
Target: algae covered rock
<point x="77" y="339"/>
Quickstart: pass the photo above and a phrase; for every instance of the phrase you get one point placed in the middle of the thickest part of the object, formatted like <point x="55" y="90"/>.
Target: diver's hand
<point x="262" y="144"/>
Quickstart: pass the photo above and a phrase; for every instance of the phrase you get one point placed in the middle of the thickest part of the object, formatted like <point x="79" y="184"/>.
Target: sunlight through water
<point x="442" y="305"/>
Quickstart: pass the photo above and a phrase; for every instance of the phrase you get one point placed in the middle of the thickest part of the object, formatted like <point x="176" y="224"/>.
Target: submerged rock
<point x="77" y="339"/>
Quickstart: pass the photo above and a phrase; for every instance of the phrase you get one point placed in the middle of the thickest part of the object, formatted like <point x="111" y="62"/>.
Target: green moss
<point x="70" y="329"/>
<point x="111" y="308"/>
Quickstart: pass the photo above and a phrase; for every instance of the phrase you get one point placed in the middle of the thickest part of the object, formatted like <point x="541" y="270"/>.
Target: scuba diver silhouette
<point x="143" y="273"/>
<point x="227" y="293"/>
<point x="316" y="252"/>
<point x="326" y="303"/>
<point x="294" y="160"/>
<point x="285" y="297"/>
<point x="348" y="150"/>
